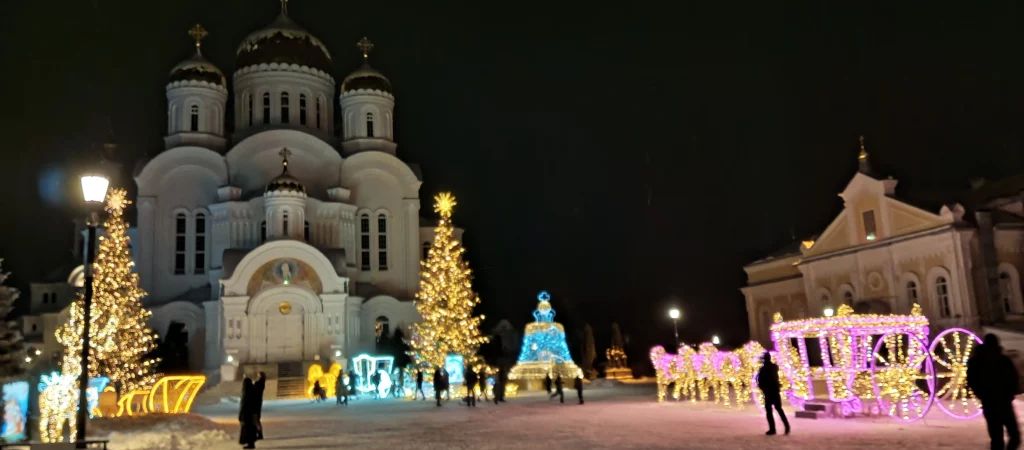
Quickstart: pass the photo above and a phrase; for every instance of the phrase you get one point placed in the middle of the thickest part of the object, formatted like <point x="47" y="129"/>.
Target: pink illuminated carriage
<point x="860" y="363"/>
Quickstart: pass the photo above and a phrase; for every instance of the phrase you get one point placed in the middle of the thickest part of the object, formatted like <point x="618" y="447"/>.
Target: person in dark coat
<point x="558" y="390"/>
<point x="470" y="377"/>
<point x="438" y="384"/>
<point x="503" y="381"/>
<point x="375" y="379"/>
<point x="446" y="385"/>
<point x="995" y="382"/>
<point x="419" y="386"/>
<point x="547" y="384"/>
<point x="247" y="415"/>
<point x="483" y="384"/>
<point x="578" y="384"/>
<point x="341" y="390"/>
<point x="352" y="384"/>
<point x="768" y="383"/>
<point x="259" y="386"/>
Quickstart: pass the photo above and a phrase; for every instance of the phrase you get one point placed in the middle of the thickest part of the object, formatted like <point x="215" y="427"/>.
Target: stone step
<point x="815" y="415"/>
<point x="818" y="407"/>
<point x="291" y="388"/>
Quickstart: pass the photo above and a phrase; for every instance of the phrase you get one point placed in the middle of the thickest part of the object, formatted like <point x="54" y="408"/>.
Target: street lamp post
<point x="674" y="315"/>
<point x="94" y="190"/>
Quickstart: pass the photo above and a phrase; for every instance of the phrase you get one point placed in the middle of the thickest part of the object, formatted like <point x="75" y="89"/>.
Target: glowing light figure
<point x="544" y="349"/>
<point x="58" y="402"/>
<point x="366" y="365"/>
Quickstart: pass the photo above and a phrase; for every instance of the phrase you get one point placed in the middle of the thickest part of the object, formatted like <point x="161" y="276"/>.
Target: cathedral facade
<point x="288" y="240"/>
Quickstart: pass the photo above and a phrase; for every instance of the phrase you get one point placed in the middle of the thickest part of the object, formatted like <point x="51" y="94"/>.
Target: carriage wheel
<point x="903" y="376"/>
<point x="951" y="350"/>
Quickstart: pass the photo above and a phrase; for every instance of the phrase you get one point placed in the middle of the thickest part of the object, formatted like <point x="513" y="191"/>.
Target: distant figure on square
<point x="341" y="389"/>
<point x="483" y="384"/>
<point x="438" y="384"/>
<point x="547" y="384"/>
<point x="419" y="386"/>
<point x="319" y="394"/>
<point x="578" y="384"/>
<point x="558" y="390"/>
<point x="470" y="377"/>
<point x="352" y="384"/>
<point x="768" y="382"/>
<point x="375" y="379"/>
<point x="995" y="381"/>
<point x="499" y="386"/>
<point x="247" y="413"/>
<point x="258" y="387"/>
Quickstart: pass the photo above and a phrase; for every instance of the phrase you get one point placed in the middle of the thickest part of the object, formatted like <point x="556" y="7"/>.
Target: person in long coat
<point x="768" y="383"/>
<point x="995" y="382"/>
<point x="438" y="384"/>
<point x="341" y="389"/>
<point x="247" y="415"/>
<point x="470" y="377"/>
<point x="258" y="387"/>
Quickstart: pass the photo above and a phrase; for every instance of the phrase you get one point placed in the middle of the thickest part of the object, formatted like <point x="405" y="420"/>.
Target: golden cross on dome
<point x="444" y="203"/>
<point x="284" y="7"/>
<point x="863" y="152"/>
<point x="284" y="154"/>
<point x="198" y="33"/>
<point x="366" y="46"/>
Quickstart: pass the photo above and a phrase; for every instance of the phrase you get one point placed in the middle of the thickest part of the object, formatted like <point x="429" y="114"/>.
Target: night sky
<point x="624" y="158"/>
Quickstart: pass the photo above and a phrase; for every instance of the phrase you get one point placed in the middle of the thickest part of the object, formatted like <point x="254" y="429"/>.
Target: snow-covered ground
<point x="624" y="417"/>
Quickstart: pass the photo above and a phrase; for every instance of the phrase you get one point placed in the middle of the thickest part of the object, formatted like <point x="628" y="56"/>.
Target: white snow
<point x="621" y="417"/>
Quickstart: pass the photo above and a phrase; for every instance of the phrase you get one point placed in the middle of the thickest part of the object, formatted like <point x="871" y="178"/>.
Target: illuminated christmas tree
<point x="445" y="299"/>
<point x="119" y="337"/>
<point x="12" y="350"/>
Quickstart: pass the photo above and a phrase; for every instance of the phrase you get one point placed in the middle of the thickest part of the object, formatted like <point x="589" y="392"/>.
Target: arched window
<point x="942" y="297"/>
<point x="382" y="328"/>
<point x="194" y="115"/>
<point x="302" y="109"/>
<point x="318" y="113"/>
<point x="263" y="231"/>
<point x="305" y="231"/>
<point x="266" y="107"/>
<point x="912" y="294"/>
<point x="200" y="243"/>
<point x="248" y="98"/>
<point x="364" y="242"/>
<point x="848" y="297"/>
<point x="284" y="107"/>
<point x="46" y="298"/>
<point x="426" y="250"/>
<point x="382" y="242"/>
<point x="180" y="225"/>
<point x="369" y="124"/>
<point x="284" y="223"/>
<point x="1006" y="289"/>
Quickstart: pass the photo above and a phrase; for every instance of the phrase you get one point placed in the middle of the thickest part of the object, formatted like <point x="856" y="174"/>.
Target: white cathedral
<point x="286" y="241"/>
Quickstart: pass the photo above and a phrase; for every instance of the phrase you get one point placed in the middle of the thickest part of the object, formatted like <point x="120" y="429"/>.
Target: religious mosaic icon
<point x="285" y="271"/>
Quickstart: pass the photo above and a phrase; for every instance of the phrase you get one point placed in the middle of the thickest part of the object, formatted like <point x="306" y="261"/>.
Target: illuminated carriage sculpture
<point x="869" y="364"/>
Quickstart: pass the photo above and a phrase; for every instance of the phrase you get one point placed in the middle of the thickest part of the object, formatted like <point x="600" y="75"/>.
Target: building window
<point x="318" y="113"/>
<point x="305" y="231"/>
<point x="942" y="296"/>
<point x="426" y="250"/>
<point x="1006" y="287"/>
<point x="248" y="98"/>
<point x="382" y="328"/>
<point x="869" y="225"/>
<point x="200" y="243"/>
<point x="194" y="114"/>
<point x="912" y="292"/>
<point x="364" y="242"/>
<point x="179" y="243"/>
<point x="284" y="224"/>
<point x="46" y="298"/>
<point x="848" y="298"/>
<point x="263" y="231"/>
<point x="266" y="107"/>
<point x="284" y="107"/>
<point x="34" y="329"/>
<point x="382" y="242"/>
<point x="302" y="109"/>
<point x="369" y="124"/>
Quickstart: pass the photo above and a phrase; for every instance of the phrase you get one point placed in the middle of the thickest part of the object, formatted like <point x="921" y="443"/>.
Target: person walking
<point x="446" y="385"/>
<point x="558" y="390"/>
<point x="995" y="381"/>
<point x="483" y="383"/>
<point x="375" y="379"/>
<point x="578" y="384"/>
<point x="419" y="385"/>
<point x="470" y="377"/>
<point x="547" y="384"/>
<point x="398" y="386"/>
<point x="768" y="383"/>
<point x="438" y="384"/>
<point x="352" y="384"/>
<point x="503" y="382"/>
<point x="259" y="386"/>
<point x="341" y="389"/>
<point x="247" y="414"/>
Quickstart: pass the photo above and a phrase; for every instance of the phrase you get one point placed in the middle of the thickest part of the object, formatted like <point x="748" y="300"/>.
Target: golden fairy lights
<point x="445" y="299"/>
<point x="119" y="337"/>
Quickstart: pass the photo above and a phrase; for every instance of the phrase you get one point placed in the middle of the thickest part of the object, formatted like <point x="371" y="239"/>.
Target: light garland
<point x="169" y="395"/>
<point x="119" y="338"/>
<point x="445" y="299"/>
<point x="58" y="403"/>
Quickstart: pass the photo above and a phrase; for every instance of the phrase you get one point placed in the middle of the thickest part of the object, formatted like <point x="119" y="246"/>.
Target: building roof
<point x="283" y="42"/>
<point x="197" y="68"/>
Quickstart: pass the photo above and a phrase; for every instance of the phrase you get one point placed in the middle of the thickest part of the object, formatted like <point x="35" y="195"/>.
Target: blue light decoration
<point x="15" y="421"/>
<point x="454" y="364"/>
<point x="544" y="348"/>
<point x="92" y="393"/>
<point x="365" y="365"/>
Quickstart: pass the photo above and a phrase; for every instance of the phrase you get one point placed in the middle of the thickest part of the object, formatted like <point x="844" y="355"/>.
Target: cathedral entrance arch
<point x="285" y="314"/>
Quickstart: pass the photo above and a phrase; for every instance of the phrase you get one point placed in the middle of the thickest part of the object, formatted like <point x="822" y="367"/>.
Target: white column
<point x="144" y="249"/>
<point x="214" y="337"/>
<point x="412" y="244"/>
<point x="353" y="308"/>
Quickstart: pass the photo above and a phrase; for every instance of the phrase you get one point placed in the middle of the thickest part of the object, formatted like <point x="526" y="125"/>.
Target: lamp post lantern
<point x="829" y="312"/>
<point x="715" y="340"/>
<point x="94" y="190"/>
<point x="674" y="315"/>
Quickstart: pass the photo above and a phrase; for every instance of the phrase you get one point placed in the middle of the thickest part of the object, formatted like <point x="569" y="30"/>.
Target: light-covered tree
<point x="12" y="349"/>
